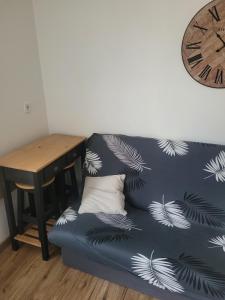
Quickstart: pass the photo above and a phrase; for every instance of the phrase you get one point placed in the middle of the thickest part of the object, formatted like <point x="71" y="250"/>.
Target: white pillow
<point x="103" y="194"/>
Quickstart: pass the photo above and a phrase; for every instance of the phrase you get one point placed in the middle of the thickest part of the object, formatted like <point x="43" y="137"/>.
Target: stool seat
<point x="71" y="165"/>
<point x="31" y="187"/>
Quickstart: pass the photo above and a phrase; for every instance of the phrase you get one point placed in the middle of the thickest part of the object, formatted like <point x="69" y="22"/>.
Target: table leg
<point x="54" y="200"/>
<point x="6" y="188"/>
<point x="60" y="190"/>
<point x="74" y="182"/>
<point x="41" y="222"/>
<point x="82" y="160"/>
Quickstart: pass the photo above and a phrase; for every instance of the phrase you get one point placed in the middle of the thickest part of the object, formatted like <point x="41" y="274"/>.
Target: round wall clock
<point x="203" y="47"/>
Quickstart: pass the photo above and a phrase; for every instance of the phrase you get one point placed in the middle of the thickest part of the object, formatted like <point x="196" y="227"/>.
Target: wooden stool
<point x="70" y="169"/>
<point x="29" y="215"/>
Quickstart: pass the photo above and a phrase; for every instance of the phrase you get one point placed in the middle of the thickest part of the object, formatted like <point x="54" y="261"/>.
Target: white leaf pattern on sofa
<point x="125" y="153"/>
<point x="173" y="148"/>
<point x="69" y="215"/>
<point x="218" y="241"/>
<point x="92" y="162"/>
<point x="117" y="221"/>
<point x="169" y="214"/>
<point x="158" y="272"/>
<point x="216" y="167"/>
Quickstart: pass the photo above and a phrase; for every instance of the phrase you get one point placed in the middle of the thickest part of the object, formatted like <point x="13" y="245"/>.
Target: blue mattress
<point x="173" y="237"/>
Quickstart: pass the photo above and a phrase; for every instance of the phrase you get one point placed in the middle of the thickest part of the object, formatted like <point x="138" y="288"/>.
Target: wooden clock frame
<point x="203" y="45"/>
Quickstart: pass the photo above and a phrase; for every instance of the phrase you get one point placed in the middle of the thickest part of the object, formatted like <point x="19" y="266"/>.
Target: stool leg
<point x="54" y="200"/>
<point x="74" y="181"/>
<point x="60" y="189"/>
<point x="39" y="205"/>
<point x="20" y="209"/>
<point x="46" y="196"/>
<point x="32" y="204"/>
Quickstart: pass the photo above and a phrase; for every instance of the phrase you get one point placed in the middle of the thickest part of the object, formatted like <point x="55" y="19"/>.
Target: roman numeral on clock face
<point x="214" y="12"/>
<point x="203" y="29"/>
<point x="219" y="77"/>
<point x="195" y="60"/>
<point x="196" y="45"/>
<point x="205" y="72"/>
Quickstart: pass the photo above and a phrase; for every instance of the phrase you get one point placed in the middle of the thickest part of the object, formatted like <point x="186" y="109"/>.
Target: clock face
<point x="203" y="47"/>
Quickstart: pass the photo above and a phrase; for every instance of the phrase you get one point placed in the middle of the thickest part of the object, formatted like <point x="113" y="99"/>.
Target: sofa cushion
<point x="176" y="260"/>
<point x="156" y="167"/>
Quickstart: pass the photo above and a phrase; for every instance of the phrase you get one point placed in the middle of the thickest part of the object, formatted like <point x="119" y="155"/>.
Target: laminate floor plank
<point x="115" y="291"/>
<point x="25" y="276"/>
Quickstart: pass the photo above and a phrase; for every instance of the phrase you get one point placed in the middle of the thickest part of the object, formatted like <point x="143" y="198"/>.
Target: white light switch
<point x="27" y="108"/>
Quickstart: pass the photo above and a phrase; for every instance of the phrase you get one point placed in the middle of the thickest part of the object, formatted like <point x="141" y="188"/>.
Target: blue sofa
<point x="171" y="244"/>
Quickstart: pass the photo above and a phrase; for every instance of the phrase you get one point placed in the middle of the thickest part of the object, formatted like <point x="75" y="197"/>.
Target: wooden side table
<point x="35" y="164"/>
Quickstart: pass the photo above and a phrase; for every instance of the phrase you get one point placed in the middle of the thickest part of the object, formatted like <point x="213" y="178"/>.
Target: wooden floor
<point x="24" y="276"/>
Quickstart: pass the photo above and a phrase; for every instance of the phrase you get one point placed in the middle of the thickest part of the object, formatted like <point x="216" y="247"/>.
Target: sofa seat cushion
<point x="161" y="247"/>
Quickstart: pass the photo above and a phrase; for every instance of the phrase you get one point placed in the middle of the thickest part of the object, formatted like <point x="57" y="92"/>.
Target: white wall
<point x="20" y="81"/>
<point x="115" y="66"/>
